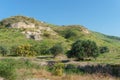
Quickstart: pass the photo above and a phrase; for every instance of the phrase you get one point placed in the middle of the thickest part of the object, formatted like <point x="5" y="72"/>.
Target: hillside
<point x="18" y="30"/>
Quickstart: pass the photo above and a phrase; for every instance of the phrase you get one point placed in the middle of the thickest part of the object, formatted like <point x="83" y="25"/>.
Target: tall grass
<point x="9" y="68"/>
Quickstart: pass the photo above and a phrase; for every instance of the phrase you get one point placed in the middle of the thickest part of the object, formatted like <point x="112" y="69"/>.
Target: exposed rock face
<point x="30" y="27"/>
<point x="33" y="35"/>
<point x="29" y="34"/>
<point x="86" y="31"/>
<point x="35" y="32"/>
<point x="22" y="25"/>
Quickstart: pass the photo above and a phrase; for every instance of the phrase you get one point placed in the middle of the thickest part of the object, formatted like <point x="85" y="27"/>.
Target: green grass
<point x="10" y="37"/>
<point x="10" y="68"/>
<point x="108" y="58"/>
<point x="7" y="71"/>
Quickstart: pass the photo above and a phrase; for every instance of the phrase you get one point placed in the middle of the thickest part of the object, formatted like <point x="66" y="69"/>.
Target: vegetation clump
<point x="58" y="69"/>
<point x="56" y="50"/>
<point x="3" y="50"/>
<point x="82" y="49"/>
<point x="24" y="50"/>
<point x="7" y="71"/>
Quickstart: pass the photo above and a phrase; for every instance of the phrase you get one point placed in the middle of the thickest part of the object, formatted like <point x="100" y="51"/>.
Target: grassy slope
<point x="10" y="37"/>
<point x="102" y="40"/>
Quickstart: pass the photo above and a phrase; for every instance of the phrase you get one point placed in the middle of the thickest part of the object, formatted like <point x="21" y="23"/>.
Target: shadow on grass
<point x="44" y="57"/>
<point x="113" y="70"/>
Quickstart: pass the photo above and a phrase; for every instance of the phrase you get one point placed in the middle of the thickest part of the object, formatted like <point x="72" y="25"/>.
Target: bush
<point x="3" y="50"/>
<point x="72" y="69"/>
<point x="104" y="49"/>
<point x="83" y="49"/>
<point x="13" y="50"/>
<point x="56" y="50"/>
<point x="58" y="69"/>
<point x="24" y="50"/>
<point x="42" y="48"/>
<point x="7" y="71"/>
<point x="69" y="34"/>
<point x="46" y="34"/>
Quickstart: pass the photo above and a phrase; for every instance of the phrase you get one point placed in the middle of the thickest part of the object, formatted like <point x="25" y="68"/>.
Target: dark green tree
<point x="56" y="50"/>
<point x="83" y="49"/>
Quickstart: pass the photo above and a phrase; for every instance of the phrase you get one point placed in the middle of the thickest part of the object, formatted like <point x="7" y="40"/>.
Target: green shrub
<point x="42" y="48"/>
<point x="69" y="34"/>
<point x="13" y="50"/>
<point x="24" y="50"/>
<point x="83" y="49"/>
<point x="58" y="69"/>
<point x="7" y="71"/>
<point x="56" y="50"/>
<point x="72" y="69"/>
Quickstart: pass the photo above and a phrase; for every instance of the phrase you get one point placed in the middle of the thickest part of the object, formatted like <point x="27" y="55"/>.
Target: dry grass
<point x="88" y="77"/>
<point x="43" y="74"/>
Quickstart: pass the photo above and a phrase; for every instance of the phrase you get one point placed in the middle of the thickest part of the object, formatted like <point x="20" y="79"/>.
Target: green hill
<point x="18" y="30"/>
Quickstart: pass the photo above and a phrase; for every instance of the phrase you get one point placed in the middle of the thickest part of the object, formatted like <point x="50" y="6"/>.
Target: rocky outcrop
<point x="33" y="35"/>
<point x="22" y="25"/>
<point x="32" y="31"/>
<point x="29" y="27"/>
<point x="86" y="31"/>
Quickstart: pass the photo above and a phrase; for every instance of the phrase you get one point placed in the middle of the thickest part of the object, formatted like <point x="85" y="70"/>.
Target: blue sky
<point x="97" y="15"/>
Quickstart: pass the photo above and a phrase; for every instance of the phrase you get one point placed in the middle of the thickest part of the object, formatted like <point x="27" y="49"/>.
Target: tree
<point x="3" y="50"/>
<point x="56" y="50"/>
<point x="83" y="49"/>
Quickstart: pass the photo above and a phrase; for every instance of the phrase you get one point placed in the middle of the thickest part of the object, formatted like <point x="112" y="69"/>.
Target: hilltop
<point x="39" y="30"/>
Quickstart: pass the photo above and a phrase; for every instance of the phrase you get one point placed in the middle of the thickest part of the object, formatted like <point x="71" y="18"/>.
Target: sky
<point x="97" y="15"/>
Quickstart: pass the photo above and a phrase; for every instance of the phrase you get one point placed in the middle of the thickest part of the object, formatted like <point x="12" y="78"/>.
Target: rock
<point x="22" y="25"/>
<point x="33" y="35"/>
<point x="86" y="31"/>
<point x="31" y="30"/>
